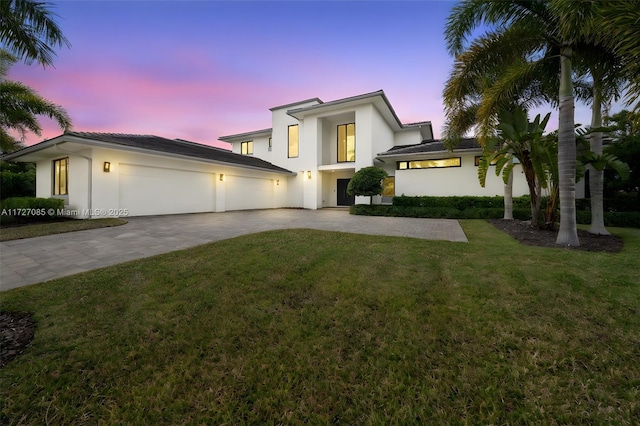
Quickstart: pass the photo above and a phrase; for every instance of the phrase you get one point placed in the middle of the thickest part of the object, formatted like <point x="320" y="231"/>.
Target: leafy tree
<point x="19" y="106"/>
<point x="522" y="139"/>
<point x="367" y="182"/>
<point x="17" y="180"/>
<point x="624" y="131"/>
<point x="29" y="32"/>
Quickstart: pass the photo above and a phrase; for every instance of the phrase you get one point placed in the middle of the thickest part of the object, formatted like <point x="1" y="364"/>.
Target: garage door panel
<point x="243" y="193"/>
<point x="154" y="190"/>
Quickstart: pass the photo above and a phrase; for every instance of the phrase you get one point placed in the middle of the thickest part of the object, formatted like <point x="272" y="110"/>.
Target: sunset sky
<point x="199" y="70"/>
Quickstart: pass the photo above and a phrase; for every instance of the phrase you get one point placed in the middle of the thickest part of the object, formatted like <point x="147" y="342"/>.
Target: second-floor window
<point x="293" y="141"/>
<point x="61" y="176"/>
<point x="346" y="143"/>
<point x="270" y="144"/>
<point x="246" y="148"/>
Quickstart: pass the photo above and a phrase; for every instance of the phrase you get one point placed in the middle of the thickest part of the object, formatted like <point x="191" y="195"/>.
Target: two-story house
<point x="304" y="160"/>
<point x="325" y="143"/>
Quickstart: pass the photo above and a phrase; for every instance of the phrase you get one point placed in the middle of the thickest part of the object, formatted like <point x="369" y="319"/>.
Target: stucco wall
<point x="456" y="181"/>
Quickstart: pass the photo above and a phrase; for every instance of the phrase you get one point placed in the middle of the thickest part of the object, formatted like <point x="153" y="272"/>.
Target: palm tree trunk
<point x="568" y="232"/>
<point x="596" y="177"/>
<point x="508" y="197"/>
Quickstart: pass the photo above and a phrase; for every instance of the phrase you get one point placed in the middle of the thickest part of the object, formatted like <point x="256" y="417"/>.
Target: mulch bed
<point x="16" y="332"/>
<point x="526" y="234"/>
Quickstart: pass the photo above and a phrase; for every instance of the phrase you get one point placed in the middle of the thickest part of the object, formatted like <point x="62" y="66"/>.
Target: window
<point x="270" y="144"/>
<point x="389" y="186"/>
<point x="477" y="161"/>
<point x="346" y="143"/>
<point x="246" y="148"/>
<point x="60" y="176"/>
<point x="293" y="141"/>
<point x="430" y="164"/>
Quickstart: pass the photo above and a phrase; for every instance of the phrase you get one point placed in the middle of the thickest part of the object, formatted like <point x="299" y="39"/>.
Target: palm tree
<point x="29" y="32"/>
<point x="19" y="106"/>
<point x="539" y="31"/>
<point x="616" y="25"/>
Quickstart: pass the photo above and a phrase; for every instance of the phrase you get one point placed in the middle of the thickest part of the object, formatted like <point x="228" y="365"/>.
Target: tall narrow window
<point x="60" y="176"/>
<point x="346" y="143"/>
<point x="246" y="148"/>
<point x="270" y="144"/>
<point x="293" y="141"/>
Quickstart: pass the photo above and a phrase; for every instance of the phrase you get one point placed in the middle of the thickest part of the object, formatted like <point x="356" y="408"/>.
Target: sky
<point x="199" y="70"/>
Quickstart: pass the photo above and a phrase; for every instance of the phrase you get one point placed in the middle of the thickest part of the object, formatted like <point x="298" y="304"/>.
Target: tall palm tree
<point x="19" y="106"/>
<point x="29" y="32"/>
<point x="545" y="29"/>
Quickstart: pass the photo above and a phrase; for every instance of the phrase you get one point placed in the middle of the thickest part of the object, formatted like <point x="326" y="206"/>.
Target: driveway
<point x="34" y="260"/>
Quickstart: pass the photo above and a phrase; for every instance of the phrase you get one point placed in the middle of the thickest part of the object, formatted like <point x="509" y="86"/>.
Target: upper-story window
<point x="246" y="148"/>
<point x="293" y="141"/>
<point x="61" y="176"/>
<point x="346" y="143"/>
<point x="270" y="144"/>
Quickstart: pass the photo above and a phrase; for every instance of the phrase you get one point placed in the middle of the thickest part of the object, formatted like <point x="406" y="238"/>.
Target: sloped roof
<point x="433" y="146"/>
<point x="156" y="144"/>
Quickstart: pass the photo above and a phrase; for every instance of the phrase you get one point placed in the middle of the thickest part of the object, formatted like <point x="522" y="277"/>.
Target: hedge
<point x="488" y="208"/>
<point x="30" y="209"/>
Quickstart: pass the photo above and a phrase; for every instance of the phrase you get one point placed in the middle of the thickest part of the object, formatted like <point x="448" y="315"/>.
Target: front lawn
<point x="307" y="326"/>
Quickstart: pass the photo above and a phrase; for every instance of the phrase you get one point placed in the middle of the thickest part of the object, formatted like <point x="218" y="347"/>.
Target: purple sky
<point x="199" y="70"/>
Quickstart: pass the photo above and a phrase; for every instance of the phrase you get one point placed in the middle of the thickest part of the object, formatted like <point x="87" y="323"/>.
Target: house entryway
<point x="343" y="198"/>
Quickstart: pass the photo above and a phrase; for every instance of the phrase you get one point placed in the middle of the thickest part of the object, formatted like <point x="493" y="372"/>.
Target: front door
<point x="343" y="198"/>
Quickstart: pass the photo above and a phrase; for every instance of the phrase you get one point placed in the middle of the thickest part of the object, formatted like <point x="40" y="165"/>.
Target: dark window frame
<point x="247" y="144"/>
<point x="55" y="181"/>
<point x="408" y="164"/>
<point x="346" y="126"/>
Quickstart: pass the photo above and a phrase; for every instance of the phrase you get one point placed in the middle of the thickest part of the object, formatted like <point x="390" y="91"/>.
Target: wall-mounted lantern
<point x="106" y="167"/>
<point x="221" y="177"/>
<point x="277" y="182"/>
<point x="309" y="174"/>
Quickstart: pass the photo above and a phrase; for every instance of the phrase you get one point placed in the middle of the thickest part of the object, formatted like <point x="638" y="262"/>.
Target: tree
<point x="367" y="182"/>
<point x="539" y="31"/>
<point x="19" y="106"/>
<point x="29" y="32"/>
<point x="624" y="131"/>
<point x="522" y="139"/>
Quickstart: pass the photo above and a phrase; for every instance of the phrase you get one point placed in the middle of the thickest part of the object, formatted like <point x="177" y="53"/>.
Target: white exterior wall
<point x="456" y="181"/>
<point x="147" y="184"/>
<point x="407" y="137"/>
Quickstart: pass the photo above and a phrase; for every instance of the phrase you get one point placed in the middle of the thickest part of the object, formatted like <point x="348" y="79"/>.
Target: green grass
<point x="42" y="229"/>
<point x="320" y="327"/>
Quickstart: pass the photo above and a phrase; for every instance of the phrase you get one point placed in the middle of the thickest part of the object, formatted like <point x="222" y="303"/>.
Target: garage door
<point x="154" y="190"/>
<point x="243" y="193"/>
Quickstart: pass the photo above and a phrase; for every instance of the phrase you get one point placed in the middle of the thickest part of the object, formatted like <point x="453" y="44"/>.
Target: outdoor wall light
<point x="221" y="177"/>
<point x="278" y="182"/>
<point x="106" y="167"/>
<point x="309" y="174"/>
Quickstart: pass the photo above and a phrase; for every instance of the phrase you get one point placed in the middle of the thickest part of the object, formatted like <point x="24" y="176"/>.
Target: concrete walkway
<point x="34" y="260"/>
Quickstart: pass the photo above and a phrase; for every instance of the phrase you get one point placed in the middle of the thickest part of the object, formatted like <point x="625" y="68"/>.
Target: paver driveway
<point x="40" y="259"/>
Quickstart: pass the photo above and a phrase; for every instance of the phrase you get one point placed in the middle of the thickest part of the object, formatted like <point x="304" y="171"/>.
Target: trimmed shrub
<point x="30" y="209"/>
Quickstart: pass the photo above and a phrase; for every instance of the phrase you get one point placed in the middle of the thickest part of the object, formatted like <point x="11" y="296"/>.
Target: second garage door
<point x="153" y="190"/>
<point x="244" y="193"/>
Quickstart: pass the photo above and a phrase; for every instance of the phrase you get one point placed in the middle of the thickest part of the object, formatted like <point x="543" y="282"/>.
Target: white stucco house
<point x="305" y="160"/>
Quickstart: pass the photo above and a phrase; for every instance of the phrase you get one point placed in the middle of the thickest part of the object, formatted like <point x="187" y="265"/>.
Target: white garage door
<point x="154" y="190"/>
<point x="243" y="193"/>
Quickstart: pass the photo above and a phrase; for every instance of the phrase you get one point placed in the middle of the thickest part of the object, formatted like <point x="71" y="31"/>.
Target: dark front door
<point x="343" y="198"/>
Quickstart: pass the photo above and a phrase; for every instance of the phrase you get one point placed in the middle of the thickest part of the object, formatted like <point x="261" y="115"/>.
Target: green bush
<point x="17" y="180"/>
<point x="486" y="208"/>
<point x="620" y="219"/>
<point x="30" y="209"/>
<point x="459" y="203"/>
